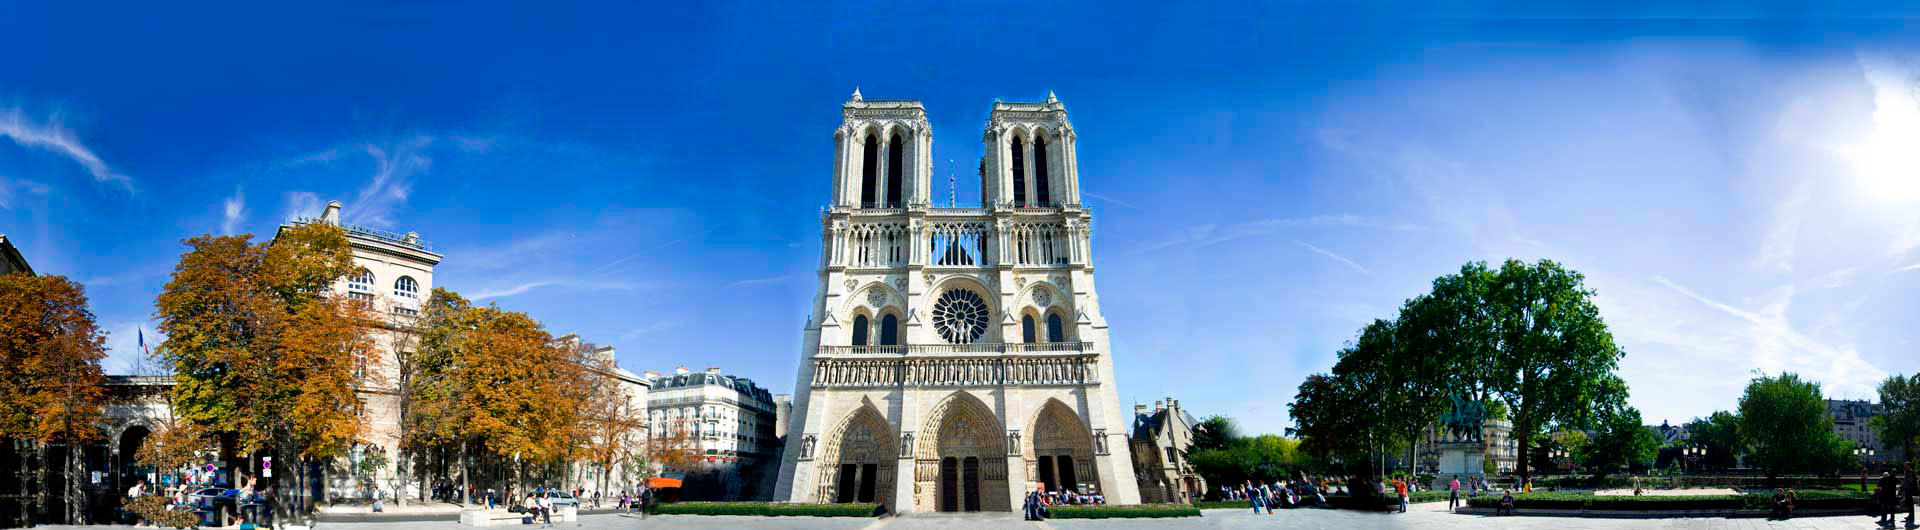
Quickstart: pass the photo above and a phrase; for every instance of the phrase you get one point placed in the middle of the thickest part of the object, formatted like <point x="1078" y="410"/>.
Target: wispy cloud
<point x="391" y="183"/>
<point x="1777" y="247"/>
<point x="234" y="210"/>
<point x="510" y="291"/>
<point x="653" y="328"/>
<point x="522" y="288"/>
<point x="7" y="188"/>
<point x="1110" y="200"/>
<point x="1336" y="257"/>
<point x="302" y="204"/>
<point x="1836" y="279"/>
<point x="755" y="282"/>
<point x="1776" y="346"/>
<point x="1912" y="267"/>
<point x="53" y="136"/>
<point x="1212" y="234"/>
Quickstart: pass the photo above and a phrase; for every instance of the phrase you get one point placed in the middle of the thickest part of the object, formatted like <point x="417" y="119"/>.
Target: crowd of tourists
<point x="1891" y="496"/>
<point x="1284" y="494"/>
<point x="1038" y="502"/>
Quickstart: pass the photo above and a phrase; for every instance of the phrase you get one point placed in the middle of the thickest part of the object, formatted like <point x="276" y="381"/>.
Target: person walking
<point x="1453" y="494"/>
<point x="1889" y="491"/>
<point x="646" y="501"/>
<point x="1907" y="494"/>
<point x="1254" y="498"/>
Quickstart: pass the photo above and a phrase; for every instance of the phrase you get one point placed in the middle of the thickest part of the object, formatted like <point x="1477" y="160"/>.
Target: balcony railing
<point x="960" y="349"/>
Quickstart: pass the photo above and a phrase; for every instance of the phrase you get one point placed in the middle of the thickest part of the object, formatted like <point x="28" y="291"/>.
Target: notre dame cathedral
<point x="956" y="357"/>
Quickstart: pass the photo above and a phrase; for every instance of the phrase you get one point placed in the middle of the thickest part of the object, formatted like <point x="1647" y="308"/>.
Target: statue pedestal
<point x="1460" y="460"/>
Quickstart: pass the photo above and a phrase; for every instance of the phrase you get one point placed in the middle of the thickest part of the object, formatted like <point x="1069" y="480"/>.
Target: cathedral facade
<point x="956" y="357"/>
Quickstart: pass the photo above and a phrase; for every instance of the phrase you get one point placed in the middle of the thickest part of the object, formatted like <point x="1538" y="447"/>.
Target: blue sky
<point x="1741" y="189"/>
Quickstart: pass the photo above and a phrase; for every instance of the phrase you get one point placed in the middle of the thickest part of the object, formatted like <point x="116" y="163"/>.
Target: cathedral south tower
<point x="955" y="356"/>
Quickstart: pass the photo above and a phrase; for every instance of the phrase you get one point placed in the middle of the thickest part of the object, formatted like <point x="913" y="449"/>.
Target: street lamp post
<point x="1693" y="455"/>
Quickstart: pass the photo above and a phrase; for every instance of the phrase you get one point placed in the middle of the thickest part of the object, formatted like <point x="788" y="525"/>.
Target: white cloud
<point x="234" y="210"/>
<point x="1836" y="279"/>
<point x="1777" y="346"/>
<point x="7" y="188"/>
<point x="124" y="355"/>
<point x="754" y="282"/>
<point x="394" y="167"/>
<point x="510" y="291"/>
<point x="1777" y="247"/>
<point x="1110" y="200"/>
<point x="54" y="136"/>
<point x="1336" y="257"/>
<point x="1915" y="266"/>
<point x="303" y="204"/>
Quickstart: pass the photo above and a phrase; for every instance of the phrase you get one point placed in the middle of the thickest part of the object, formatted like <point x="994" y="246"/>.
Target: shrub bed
<point x="1235" y="504"/>
<point x="1124" y="512"/>
<point x="774" y="509"/>
<point x="1837" y="500"/>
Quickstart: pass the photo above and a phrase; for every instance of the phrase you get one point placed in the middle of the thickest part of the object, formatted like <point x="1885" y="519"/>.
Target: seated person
<point x="1779" y="503"/>
<point x="1506" y="503"/>
<point x="1792" y="498"/>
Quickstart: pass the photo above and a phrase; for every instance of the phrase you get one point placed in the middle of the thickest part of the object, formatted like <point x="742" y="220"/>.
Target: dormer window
<point x="407" y="288"/>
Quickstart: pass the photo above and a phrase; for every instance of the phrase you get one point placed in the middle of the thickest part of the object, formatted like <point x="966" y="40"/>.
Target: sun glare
<point x="1888" y="162"/>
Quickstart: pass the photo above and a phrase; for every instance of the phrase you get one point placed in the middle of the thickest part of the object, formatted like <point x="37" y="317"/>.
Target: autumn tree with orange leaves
<point x="52" y="347"/>
<point x="263" y="350"/>
<point x="492" y="388"/>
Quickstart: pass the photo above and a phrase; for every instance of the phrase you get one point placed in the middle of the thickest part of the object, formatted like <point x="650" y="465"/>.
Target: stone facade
<point x="10" y="259"/>
<point x="732" y="420"/>
<point x="1161" y="439"/>
<point x="1851" y="421"/>
<point x="955" y="356"/>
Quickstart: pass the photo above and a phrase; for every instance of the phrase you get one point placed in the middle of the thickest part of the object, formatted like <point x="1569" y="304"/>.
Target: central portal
<point x="964" y="467"/>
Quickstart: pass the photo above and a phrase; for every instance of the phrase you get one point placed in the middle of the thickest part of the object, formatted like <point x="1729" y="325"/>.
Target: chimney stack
<point x="332" y="213"/>
<point x="1139" y="409"/>
<point x="652" y="374"/>
<point x="682" y="370"/>
<point x="1159" y="406"/>
<point x="715" y="370"/>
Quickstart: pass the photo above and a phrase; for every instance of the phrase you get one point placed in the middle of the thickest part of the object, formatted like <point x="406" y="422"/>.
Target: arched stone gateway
<point x="964" y="467"/>
<point x="1060" y="451"/>
<point x="859" y="462"/>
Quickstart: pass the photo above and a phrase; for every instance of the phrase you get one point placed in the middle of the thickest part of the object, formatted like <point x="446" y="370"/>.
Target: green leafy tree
<point x="1623" y="443"/>
<point x="1214" y="432"/>
<point x="1556" y="358"/>
<point x="1899" y="423"/>
<point x="1784" y="422"/>
<point x="1719" y="435"/>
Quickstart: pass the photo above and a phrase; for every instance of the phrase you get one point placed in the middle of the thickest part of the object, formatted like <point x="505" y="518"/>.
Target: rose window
<point x="960" y="316"/>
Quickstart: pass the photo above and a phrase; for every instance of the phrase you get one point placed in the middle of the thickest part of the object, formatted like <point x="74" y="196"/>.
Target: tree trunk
<point x="76" y="502"/>
<point x="466" y="477"/>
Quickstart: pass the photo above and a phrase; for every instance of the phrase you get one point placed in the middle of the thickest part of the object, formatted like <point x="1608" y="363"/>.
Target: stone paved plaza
<point x="1423" y="517"/>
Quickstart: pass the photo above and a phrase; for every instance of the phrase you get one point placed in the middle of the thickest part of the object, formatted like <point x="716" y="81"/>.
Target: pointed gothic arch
<point x="869" y="169"/>
<point x="962" y="463"/>
<point x="896" y="166"/>
<point x="1059" y="448"/>
<point x="1041" y="195"/>
<point x="859" y="463"/>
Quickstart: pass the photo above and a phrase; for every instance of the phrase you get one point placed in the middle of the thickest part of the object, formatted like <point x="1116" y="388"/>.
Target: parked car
<point x="561" y="498"/>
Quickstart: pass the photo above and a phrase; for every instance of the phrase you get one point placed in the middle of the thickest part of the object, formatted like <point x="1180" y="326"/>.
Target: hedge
<point x="1838" y="500"/>
<point x="773" y="509"/>
<point x="1122" y="511"/>
<point x="1212" y="505"/>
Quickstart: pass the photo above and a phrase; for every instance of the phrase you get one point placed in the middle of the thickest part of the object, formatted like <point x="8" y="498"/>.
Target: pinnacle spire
<point x="1050" y="98"/>
<point x="856" y="93"/>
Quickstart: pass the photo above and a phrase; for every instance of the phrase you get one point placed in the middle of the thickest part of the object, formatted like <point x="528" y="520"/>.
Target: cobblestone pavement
<point x="1422" y="517"/>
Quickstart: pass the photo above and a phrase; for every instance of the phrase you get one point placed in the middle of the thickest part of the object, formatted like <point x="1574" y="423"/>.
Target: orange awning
<point x="663" y="483"/>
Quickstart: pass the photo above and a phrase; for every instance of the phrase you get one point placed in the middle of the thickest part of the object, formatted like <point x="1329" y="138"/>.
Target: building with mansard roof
<point x="955" y="357"/>
<point x="731" y="420"/>
<point x="1161" y="438"/>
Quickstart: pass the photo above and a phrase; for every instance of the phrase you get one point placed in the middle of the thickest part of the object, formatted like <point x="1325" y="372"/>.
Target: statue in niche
<point x="806" y="446"/>
<point x="906" y="444"/>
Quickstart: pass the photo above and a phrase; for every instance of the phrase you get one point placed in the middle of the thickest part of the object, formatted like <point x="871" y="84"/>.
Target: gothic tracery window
<point x="1026" y="329"/>
<point x="1055" y="331"/>
<point x="894" y="156"/>
<point x="960" y="315"/>
<point x="860" y="330"/>
<point x="1041" y="196"/>
<point x="869" y="160"/>
<point x="1019" y="173"/>
<point x="889" y="330"/>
